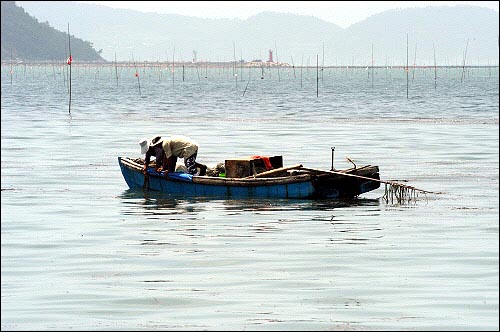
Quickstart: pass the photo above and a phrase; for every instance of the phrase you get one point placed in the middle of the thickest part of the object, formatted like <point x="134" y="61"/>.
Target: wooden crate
<point x="243" y="167"/>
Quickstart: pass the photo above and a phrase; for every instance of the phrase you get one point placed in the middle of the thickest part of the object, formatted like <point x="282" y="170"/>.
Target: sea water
<point x="80" y="251"/>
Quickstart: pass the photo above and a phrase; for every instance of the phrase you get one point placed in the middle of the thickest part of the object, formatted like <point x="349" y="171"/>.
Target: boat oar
<point x="146" y="181"/>
<point x="392" y="183"/>
<point x="273" y="171"/>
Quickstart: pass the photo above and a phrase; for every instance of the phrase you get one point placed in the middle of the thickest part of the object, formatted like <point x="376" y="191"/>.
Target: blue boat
<point x="285" y="182"/>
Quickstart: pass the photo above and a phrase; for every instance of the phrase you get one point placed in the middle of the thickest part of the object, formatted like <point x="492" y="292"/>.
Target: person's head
<point x="146" y="144"/>
<point x="155" y="141"/>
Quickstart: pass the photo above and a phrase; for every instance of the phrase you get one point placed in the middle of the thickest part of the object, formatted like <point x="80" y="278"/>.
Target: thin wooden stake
<point x="463" y="66"/>
<point x="414" y="64"/>
<point x="241" y="65"/>
<point x="173" y="67"/>
<point x="235" y="74"/>
<point x="70" y="59"/>
<point x="406" y="66"/>
<point x="323" y="63"/>
<point x="301" y="66"/>
<point x="435" y="66"/>
<point x="116" y="71"/>
<point x="372" y="66"/>
<point x="10" y="67"/>
<point x="277" y="62"/>
<point x="317" y="75"/>
<point x="246" y="87"/>
<point x="137" y="75"/>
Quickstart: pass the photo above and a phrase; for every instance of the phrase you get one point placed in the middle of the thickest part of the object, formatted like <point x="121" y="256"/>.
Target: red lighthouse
<point x="270" y="56"/>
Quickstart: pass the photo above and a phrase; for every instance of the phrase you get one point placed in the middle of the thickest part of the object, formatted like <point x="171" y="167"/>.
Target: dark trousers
<point x="190" y="163"/>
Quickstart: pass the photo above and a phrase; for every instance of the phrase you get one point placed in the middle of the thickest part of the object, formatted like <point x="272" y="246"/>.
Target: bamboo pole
<point x="406" y="66"/>
<point x="372" y="66"/>
<point x="173" y="67"/>
<point x="392" y="183"/>
<point x="69" y="63"/>
<point x="317" y="75"/>
<point x="301" y="66"/>
<point x="10" y="67"/>
<point x="435" y="66"/>
<point x="235" y="74"/>
<point x="137" y="75"/>
<point x="116" y="71"/>
<point x="463" y="65"/>
<point x="197" y="71"/>
<point x="246" y="87"/>
<point x="414" y="64"/>
<point x="53" y="70"/>
<point x="277" y="62"/>
<point x="273" y="171"/>
<point x="323" y="63"/>
<point x="241" y="65"/>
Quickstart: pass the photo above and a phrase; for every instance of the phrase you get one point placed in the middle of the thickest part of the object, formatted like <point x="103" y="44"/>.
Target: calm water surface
<point x="80" y="251"/>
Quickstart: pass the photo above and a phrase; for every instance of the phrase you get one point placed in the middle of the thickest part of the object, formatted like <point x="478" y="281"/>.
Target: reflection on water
<point x="151" y="201"/>
<point x="233" y="219"/>
<point x="80" y="251"/>
<point x="180" y="221"/>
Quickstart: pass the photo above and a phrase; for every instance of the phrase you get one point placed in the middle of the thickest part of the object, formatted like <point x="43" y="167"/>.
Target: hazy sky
<point x="342" y="13"/>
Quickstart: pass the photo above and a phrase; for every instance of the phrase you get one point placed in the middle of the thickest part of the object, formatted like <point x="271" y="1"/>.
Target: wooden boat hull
<point x="293" y="186"/>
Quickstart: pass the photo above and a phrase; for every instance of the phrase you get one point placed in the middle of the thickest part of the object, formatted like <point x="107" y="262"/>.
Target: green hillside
<point x="24" y="38"/>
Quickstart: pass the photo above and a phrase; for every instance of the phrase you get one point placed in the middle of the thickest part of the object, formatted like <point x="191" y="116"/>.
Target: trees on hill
<point x="24" y="38"/>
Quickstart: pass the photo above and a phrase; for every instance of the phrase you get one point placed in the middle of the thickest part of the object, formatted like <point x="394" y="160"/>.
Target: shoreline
<point x="154" y="64"/>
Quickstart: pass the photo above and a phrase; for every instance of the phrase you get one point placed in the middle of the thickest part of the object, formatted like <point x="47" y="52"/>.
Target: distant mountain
<point x="150" y="36"/>
<point x="297" y="38"/>
<point x="24" y="38"/>
<point x="449" y="29"/>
